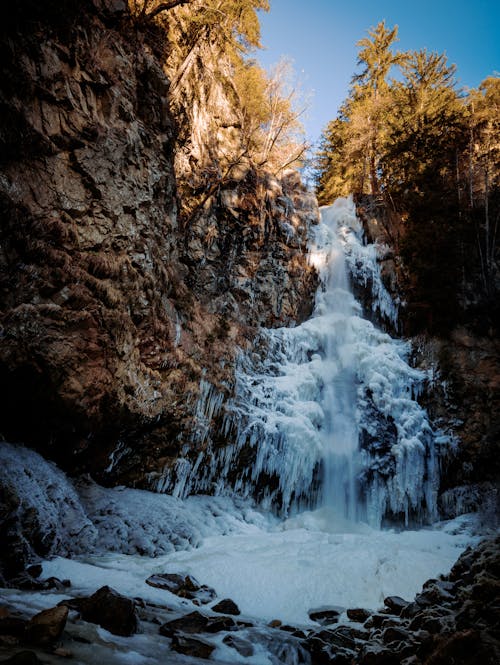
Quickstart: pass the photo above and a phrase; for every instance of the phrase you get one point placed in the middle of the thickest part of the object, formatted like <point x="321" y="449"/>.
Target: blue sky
<point x="320" y="37"/>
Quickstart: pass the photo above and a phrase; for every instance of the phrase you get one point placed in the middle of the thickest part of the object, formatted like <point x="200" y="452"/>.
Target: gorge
<point x="210" y="383"/>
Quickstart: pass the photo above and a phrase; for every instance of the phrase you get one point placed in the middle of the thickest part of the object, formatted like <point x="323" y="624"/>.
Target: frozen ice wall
<point x="326" y="412"/>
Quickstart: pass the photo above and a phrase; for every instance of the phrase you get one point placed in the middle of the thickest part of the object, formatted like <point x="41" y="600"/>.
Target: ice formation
<point x="326" y="412"/>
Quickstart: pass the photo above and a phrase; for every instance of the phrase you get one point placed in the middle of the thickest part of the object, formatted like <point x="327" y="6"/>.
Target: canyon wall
<point x="114" y="306"/>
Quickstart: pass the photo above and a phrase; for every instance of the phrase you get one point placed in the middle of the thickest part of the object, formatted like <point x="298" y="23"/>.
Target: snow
<point x="281" y="570"/>
<point x="273" y="569"/>
<point x="48" y="504"/>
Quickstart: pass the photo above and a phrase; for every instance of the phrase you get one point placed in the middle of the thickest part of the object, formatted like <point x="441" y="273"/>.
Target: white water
<point x="324" y="413"/>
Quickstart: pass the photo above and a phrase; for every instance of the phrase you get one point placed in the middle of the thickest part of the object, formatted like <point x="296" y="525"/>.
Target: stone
<point x="195" y="622"/>
<point x="358" y="615"/>
<point x="47" y="626"/>
<point x="326" y="615"/>
<point x="243" y="647"/>
<point x="396" y="604"/>
<point x="226" y="606"/>
<point x="190" y="646"/>
<point x="169" y="581"/>
<point x="342" y="636"/>
<point x="183" y="586"/>
<point x="395" y="634"/>
<point x="110" y="610"/>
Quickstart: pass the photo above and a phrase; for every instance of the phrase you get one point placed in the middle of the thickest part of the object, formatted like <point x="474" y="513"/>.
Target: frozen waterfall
<point x="324" y="413"/>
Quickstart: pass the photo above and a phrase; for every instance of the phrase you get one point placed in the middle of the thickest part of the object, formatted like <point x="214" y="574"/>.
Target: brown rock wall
<point x="111" y="308"/>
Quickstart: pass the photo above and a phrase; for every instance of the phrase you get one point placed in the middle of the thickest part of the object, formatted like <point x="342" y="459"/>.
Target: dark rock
<point x="195" y="622"/>
<point x="375" y="621"/>
<point x="169" y="581"/>
<point x="395" y="604"/>
<point x="35" y="570"/>
<point x="23" y="658"/>
<point x="191" y="646"/>
<point x="395" y="634"/>
<point x="189" y="623"/>
<point x="183" y="586"/>
<point x="358" y="614"/>
<point x="217" y="624"/>
<point x="26" y="583"/>
<point x="226" y="606"/>
<point x="243" y="647"/>
<point x="47" y="626"/>
<point x="340" y="637"/>
<point x="110" y="610"/>
<point x="326" y="615"/>
<point x="410" y="611"/>
<point x="375" y="654"/>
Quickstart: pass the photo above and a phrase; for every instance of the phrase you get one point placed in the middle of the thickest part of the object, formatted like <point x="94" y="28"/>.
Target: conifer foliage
<point x="408" y="137"/>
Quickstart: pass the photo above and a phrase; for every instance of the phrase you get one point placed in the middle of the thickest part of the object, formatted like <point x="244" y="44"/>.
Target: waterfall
<point x="325" y="413"/>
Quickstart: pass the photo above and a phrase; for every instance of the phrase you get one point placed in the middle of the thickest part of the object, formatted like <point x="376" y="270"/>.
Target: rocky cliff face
<point x="113" y="308"/>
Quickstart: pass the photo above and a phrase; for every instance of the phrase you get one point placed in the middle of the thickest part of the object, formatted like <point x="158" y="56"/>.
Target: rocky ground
<point x="455" y="619"/>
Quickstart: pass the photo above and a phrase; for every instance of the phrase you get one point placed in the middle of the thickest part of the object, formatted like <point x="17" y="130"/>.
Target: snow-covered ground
<point x="272" y="569"/>
<point x="280" y="571"/>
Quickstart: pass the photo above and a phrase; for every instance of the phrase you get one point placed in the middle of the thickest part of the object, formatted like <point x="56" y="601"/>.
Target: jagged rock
<point x="358" y="615"/>
<point x="191" y="646"/>
<point x="46" y="627"/>
<point x="342" y="637"/>
<point x="395" y="604"/>
<point x="184" y="586"/>
<point x="110" y="610"/>
<point x="242" y="646"/>
<point x="326" y="615"/>
<point x="195" y="622"/>
<point x="226" y="606"/>
<point x="395" y="634"/>
<point x="325" y="653"/>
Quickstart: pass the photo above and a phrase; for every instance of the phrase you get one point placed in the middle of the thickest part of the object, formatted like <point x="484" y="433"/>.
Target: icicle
<point x="325" y="411"/>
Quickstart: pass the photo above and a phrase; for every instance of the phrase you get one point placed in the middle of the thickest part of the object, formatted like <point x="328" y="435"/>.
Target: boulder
<point x="110" y="610"/>
<point x="191" y="646"/>
<point x="358" y="614"/>
<point x="47" y="626"/>
<point x="195" y="622"/>
<point x="226" y="606"/>
<point x="326" y="615"/>
<point x="183" y="586"/>
<point x="395" y="604"/>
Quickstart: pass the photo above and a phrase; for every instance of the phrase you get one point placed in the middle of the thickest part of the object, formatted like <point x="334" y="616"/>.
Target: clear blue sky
<point x="320" y="37"/>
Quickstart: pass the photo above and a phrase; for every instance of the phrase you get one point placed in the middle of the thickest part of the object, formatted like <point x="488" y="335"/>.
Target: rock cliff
<point x="114" y="308"/>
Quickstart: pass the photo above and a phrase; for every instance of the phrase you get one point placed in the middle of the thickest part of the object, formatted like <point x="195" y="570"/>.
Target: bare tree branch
<point x="162" y="7"/>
